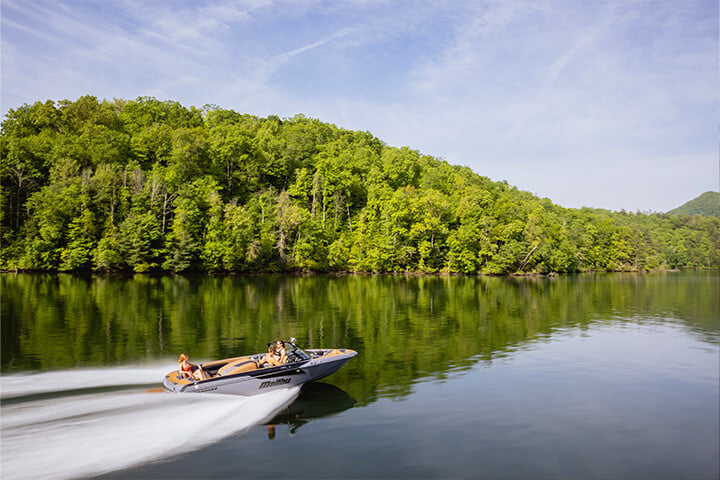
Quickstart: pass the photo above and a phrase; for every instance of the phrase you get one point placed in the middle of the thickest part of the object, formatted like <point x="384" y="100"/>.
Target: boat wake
<point x="78" y="423"/>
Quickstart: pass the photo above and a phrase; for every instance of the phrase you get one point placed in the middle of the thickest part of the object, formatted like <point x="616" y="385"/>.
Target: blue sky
<point x="609" y="104"/>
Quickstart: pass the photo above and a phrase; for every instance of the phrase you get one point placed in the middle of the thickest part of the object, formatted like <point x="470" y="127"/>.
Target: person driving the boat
<point x="276" y="354"/>
<point x="190" y="370"/>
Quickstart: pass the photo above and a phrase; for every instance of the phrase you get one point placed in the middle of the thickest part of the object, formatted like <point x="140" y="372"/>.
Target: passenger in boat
<point x="190" y="370"/>
<point x="267" y="359"/>
<point x="280" y="351"/>
<point x="276" y="355"/>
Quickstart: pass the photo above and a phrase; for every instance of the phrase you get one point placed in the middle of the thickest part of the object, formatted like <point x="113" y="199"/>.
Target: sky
<point x="607" y="103"/>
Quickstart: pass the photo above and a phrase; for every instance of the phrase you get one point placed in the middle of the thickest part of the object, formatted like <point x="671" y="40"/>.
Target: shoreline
<point x="308" y="273"/>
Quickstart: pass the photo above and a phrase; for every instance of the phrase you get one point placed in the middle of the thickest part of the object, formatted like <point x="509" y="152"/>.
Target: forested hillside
<point x="148" y="185"/>
<point x="706" y="204"/>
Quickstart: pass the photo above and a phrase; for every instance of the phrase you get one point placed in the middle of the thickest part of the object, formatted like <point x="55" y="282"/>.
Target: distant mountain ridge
<point x="706" y="204"/>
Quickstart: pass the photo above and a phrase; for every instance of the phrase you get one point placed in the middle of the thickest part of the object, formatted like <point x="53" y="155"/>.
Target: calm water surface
<point x="602" y="376"/>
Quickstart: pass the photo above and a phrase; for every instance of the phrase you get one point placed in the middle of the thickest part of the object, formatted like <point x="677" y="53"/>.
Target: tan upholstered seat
<point x="238" y="366"/>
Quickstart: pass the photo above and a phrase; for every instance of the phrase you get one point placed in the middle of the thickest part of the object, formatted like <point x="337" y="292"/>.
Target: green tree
<point x="81" y="243"/>
<point x="140" y="241"/>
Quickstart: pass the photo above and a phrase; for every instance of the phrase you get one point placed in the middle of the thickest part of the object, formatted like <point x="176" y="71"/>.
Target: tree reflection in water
<point x="404" y="327"/>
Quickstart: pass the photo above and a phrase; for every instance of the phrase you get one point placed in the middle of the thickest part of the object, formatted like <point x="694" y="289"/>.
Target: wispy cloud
<point x="273" y="64"/>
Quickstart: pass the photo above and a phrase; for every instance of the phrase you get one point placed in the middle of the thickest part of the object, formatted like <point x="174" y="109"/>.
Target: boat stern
<point x="174" y="382"/>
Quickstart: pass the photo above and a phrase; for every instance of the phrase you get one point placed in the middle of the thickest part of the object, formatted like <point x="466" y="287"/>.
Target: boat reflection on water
<point x="316" y="400"/>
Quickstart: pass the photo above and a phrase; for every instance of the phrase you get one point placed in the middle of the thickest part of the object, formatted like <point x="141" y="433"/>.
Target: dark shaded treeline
<point x="148" y="185"/>
<point x="405" y="328"/>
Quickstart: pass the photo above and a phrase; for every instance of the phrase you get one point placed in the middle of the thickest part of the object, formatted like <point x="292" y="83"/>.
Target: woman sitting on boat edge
<point x="190" y="370"/>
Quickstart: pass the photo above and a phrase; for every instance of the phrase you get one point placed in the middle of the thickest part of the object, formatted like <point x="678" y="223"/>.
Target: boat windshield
<point x="295" y="353"/>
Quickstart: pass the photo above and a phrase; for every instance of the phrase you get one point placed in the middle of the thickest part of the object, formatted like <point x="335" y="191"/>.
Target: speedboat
<point x="247" y="376"/>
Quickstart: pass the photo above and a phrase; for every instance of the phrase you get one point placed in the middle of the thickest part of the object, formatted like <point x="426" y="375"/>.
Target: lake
<point x="589" y="376"/>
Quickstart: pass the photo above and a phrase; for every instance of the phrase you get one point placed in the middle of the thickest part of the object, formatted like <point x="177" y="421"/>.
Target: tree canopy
<point x="149" y="185"/>
<point x="706" y="204"/>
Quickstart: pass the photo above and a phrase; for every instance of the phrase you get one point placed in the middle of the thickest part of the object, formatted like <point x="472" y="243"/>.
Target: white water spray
<point x="78" y="434"/>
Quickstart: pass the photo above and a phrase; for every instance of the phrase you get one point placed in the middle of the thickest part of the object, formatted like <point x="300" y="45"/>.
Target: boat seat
<point x="334" y="352"/>
<point x="238" y="366"/>
<point x="178" y="378"/>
